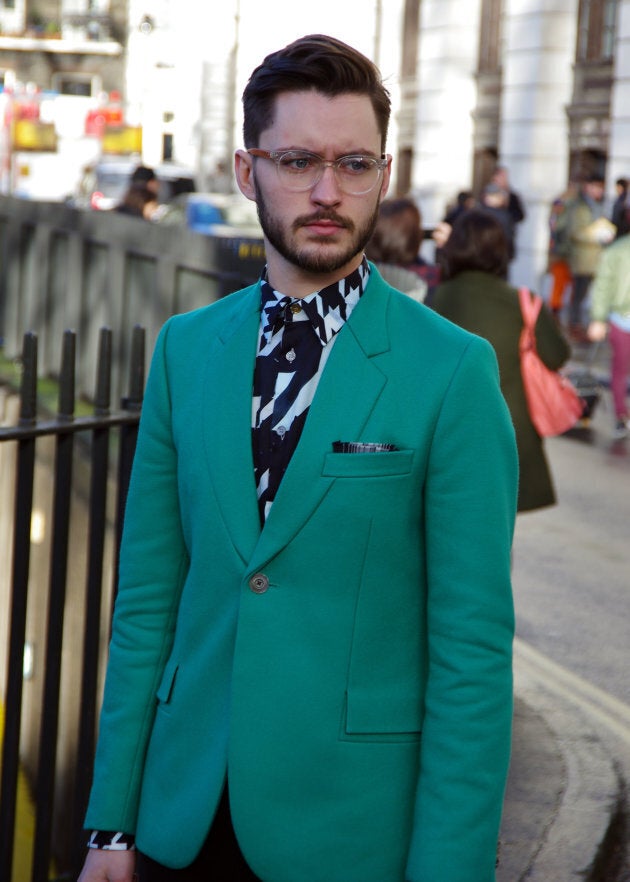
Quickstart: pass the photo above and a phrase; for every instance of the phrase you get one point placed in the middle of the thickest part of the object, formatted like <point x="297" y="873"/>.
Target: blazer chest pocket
<point x="368" y="465"/>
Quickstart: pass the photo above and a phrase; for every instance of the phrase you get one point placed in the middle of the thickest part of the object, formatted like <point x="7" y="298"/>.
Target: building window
<point x="80" y="85"/>
<point x="596" y="30"/>
<point x="490" y="36"/>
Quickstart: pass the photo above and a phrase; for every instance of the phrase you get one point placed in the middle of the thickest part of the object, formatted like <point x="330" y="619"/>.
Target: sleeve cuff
<point x="106" y="840"/>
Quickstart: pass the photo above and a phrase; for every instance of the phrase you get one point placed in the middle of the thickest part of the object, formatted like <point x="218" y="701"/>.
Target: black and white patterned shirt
<point x="296" y="338"/>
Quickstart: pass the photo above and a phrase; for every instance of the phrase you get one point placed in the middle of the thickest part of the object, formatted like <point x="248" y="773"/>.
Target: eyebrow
<point x="357" y="152"/>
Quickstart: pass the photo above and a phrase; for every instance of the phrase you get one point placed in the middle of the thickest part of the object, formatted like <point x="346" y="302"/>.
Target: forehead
<point x="317" y="122"/>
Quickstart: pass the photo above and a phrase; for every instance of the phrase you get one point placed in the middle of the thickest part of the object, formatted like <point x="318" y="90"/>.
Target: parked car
<point x="104" y="184"/>
<point x="221" y="214"/>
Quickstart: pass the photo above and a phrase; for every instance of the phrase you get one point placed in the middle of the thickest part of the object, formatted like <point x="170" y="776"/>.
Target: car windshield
<point x="112" y="183"/>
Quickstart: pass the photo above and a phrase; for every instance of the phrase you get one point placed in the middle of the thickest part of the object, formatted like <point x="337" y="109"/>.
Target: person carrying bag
<point x="554" y="404"/>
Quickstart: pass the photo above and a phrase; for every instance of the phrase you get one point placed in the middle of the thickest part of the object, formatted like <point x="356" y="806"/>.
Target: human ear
<point x="244" y="171"/>
<point x="387" y="172"/>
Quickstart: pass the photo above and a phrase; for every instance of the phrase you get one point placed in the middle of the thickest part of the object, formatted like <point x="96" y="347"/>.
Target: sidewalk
<point x="563" y="792"/>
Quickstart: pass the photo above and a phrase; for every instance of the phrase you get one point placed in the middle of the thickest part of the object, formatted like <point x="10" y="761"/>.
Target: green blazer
<point x="358" y="696"/>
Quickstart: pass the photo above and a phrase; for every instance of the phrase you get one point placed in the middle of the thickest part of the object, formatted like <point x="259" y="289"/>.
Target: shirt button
<point x="259" y="583"/>
<point x="295" y="308"/>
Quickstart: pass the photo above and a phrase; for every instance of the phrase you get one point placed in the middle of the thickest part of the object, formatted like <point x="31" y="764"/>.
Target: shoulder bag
<point x="553" y="403"/>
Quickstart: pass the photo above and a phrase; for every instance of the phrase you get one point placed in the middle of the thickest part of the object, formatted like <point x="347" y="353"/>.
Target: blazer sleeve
<point x="153" y="565"/>
<point x="470" y="507"/>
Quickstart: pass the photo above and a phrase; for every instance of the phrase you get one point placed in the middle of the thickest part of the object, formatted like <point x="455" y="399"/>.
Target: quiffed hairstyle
<point x="477" y="242"/>
<point x="398" y="233"/>
<point x="317" y="62"/>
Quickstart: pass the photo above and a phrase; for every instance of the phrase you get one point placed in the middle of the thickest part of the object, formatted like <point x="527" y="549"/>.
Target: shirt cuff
<point x="106" y="840"/>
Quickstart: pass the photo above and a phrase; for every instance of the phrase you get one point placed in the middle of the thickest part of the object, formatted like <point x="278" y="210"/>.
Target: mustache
<point x="306" y="219"/>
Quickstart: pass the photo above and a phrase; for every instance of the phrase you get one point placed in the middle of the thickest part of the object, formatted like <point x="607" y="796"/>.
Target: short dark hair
<point x="594" y="178"/>
<point x="477" y="242"/>
<point x="398" y="233"/>
<point x="316" y="62"/>
<point x="142" y="174"/>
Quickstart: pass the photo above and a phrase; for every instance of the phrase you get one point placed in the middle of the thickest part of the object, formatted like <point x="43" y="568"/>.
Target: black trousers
<point x="220" y="859"/>
<point x="581" y="285"/>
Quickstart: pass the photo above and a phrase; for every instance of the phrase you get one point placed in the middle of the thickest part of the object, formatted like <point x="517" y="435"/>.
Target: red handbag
<point x="554" y="405"/>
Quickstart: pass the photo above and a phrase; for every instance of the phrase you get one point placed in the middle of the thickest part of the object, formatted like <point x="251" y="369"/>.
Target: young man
<point x="310" y="667"/>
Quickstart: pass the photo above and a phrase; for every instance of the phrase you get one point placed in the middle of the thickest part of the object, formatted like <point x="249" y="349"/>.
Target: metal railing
<point x="60" y="793"/>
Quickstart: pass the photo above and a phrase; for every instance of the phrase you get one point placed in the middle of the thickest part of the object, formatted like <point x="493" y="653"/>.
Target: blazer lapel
<point x="348" y="390"/>
<point x="227" y="421"/>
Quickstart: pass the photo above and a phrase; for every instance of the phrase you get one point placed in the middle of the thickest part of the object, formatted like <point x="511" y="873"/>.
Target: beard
<point x="321" y="255"/>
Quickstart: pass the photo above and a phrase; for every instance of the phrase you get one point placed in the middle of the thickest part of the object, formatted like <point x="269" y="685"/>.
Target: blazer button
<point x="259" y="583"/>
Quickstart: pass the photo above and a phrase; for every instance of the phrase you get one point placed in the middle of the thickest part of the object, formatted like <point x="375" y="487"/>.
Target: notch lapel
<point x="228" y="383"/>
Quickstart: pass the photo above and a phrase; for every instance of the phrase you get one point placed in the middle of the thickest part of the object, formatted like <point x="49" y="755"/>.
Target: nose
<point x="326" y="191"/>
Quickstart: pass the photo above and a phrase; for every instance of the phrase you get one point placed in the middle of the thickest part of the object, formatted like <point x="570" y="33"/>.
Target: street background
<point x="566" y="812"/>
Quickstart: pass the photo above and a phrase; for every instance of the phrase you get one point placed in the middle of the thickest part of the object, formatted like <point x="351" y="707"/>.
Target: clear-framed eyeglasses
<point x="299" y="170"/>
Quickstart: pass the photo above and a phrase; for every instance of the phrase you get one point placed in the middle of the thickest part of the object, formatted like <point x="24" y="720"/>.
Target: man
<point x="587" y="231"/>
<point x="515" y="207"/>
<point x="310" y="667"/>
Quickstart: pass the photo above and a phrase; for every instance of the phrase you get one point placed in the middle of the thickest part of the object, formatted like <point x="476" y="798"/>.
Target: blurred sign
<point x="31" y="134"/>
<point x="123" y="140"/>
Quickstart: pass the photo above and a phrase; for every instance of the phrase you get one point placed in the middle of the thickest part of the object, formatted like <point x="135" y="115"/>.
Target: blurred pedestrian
<point x="464" y="200"/>
<point x="588" y="230"/>
<point x="475" y="295"/>
<point x="145" y="176"/>
<point x="515" y="207"/>
<point x="495" y="201"/>
<point x="558" y="252"/>
<point x="610" y="314"/>
<point x="395" y="248"/>
<point x="620" y="215"/>
<point x="138" y="201"/>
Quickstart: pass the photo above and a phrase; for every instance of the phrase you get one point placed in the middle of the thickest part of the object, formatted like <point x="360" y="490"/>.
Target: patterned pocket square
<point x="361" y="447"/>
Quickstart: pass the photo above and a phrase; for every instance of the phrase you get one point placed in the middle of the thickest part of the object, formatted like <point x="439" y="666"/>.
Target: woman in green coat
<point x="475" y="295"/>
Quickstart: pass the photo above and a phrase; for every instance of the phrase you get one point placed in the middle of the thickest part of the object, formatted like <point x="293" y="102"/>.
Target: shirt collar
<point x="327" y="310"/>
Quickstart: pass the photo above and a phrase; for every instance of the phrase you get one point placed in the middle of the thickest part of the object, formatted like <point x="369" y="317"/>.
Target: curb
<point x="564" y="789"/>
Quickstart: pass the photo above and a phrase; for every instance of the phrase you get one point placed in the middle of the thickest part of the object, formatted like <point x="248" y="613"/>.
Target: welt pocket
<point x="368" y="465"/>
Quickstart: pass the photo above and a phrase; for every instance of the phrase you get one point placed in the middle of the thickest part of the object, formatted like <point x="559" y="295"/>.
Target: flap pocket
<point x="367" y="719"/>
<point x="368" y="465"/>
<point x="165" y="689"/>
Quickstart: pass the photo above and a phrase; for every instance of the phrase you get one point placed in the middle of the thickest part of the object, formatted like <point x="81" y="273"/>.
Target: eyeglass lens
<point x="355" y="174"/>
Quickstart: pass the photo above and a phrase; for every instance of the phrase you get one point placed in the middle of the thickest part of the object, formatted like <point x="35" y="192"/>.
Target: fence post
<point x="93" y="596"/>
<point x="56" y="607"/>
<point x="19" y="596"/>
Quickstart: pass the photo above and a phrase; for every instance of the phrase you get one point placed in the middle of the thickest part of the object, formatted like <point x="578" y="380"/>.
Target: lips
<point x="323" y="226"/>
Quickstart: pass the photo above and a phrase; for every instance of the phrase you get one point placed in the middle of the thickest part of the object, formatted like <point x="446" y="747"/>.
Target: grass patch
<point x="47" y="388"/>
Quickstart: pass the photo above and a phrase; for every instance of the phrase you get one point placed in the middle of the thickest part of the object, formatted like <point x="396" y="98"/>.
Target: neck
<point x="296" y="282"/>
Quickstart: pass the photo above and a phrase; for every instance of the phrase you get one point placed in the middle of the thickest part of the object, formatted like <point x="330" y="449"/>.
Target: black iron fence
<point x="51" y="703"/>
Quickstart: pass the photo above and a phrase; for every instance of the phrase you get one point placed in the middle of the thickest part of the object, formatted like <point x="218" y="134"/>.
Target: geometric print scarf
<point x="296" y="338"/>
